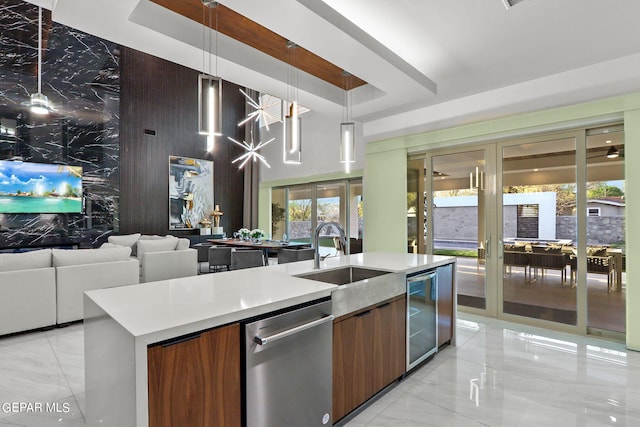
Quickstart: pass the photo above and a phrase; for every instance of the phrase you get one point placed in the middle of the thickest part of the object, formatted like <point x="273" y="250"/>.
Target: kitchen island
<point x="122" y="323"/>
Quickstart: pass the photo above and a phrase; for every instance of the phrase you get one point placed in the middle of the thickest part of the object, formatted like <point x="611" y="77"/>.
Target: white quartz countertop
<point x="169" y="308"/>
<point x="388" y="261"/>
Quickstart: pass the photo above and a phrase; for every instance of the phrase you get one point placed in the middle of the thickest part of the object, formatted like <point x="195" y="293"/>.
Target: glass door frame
<point x="312" y="187"/>
<point x="579" y="136"/>
<point x="491" y="269"/>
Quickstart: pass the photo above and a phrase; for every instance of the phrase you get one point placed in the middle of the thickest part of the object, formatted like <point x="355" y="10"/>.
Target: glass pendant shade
<point x="39" y="103"/>
<point x="347" y="144"/>
<point x="292" y="134"/>
<point x="209" y="104"/>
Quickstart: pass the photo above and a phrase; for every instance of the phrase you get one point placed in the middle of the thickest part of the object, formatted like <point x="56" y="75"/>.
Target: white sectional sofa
<point x="83" y="270"/>
<point x="161" y="257"/>
<point x="27" y="291"/>
<point x="44" y="287"/>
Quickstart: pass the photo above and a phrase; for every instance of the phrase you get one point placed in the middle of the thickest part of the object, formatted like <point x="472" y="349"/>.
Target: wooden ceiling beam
<point x="246" y="31"/>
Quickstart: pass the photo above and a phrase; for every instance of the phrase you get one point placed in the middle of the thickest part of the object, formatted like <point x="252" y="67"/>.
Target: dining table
<point x="267" y="246"/>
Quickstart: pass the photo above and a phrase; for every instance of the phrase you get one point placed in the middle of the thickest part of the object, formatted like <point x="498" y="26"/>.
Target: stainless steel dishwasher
<point x="288" y="368"/>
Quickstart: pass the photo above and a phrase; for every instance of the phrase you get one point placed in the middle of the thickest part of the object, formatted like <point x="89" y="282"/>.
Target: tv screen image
<point x="40" y="188"/>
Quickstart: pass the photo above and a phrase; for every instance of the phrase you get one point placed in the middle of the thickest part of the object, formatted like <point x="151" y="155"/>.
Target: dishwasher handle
<point x="266" y="340"/>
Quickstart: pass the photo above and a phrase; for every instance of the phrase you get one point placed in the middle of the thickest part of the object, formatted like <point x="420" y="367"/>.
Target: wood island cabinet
<point x="368" y="353"/>
<point x="195" y="380"/>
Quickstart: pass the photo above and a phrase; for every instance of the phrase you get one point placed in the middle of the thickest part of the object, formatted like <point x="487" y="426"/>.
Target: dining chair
<point x="286" y="255"/>
<point x="203" y="254"/>
<point x="246" y="259"/>
<point x="219" y="257"/>
<point x="305" y="254"/>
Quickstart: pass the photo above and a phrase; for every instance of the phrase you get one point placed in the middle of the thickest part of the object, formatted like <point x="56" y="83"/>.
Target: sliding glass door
<point x="539" y="228"/>
<point x="537" y="225"/>
<point x="452" y="217"/>
<point x="459" y="220"/>
<point x="300" y="209"/>
<point x="297" y="210"/>
<point x="331" y="200"/>
<point x="604" y="252"/>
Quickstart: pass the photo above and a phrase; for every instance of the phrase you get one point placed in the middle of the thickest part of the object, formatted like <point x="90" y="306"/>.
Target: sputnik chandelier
<point x="261" y="107"/>
<point x="251" y="148"/>
<point x="251" y="152"/>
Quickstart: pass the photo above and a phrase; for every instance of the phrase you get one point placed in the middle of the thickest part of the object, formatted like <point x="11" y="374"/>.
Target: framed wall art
<point x="190" y="192"/>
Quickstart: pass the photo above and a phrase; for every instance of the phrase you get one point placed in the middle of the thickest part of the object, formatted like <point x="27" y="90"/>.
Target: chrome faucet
<point x="343" y="241"/>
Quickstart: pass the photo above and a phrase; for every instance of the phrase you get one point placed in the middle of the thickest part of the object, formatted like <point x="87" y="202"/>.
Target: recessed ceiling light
<point x="536" y="170"/>
<point x="608" y="141"/>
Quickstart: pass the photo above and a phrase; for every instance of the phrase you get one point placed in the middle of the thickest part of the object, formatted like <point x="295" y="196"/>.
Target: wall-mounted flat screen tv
<point x="40" y="188"/>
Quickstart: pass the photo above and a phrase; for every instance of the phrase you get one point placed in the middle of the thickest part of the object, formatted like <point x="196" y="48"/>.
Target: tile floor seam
<point x="66" y="378"/>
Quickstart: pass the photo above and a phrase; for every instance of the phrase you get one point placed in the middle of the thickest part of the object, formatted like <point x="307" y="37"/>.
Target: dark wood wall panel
<point x="161" y="96"/>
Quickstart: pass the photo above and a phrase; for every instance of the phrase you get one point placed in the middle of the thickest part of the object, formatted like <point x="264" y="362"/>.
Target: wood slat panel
<point x="244" y="30"/>
<point x="163" y="97"/>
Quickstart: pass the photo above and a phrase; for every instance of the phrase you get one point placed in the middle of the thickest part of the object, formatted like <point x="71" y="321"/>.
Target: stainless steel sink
<point x="358" y="287"/>
<point x="343" y="276"/>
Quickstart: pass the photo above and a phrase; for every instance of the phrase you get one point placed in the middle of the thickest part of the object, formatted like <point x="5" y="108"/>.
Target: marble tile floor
<point x="505" y="374"/>
<point x="499" y="374"/>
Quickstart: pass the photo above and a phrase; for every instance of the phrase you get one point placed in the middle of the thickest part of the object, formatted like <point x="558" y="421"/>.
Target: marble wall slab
<point x="81" y="78"/>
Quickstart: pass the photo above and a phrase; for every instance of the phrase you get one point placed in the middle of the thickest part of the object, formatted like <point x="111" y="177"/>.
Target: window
<point x="302" y="207"/>
<point x="593" y="211"/>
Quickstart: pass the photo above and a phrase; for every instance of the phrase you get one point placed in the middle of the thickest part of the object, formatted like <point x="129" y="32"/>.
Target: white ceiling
<point x="484" y="59"/>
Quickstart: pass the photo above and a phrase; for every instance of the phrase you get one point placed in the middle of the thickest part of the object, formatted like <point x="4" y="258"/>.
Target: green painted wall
<point x="264" y="210"/>
<point x="385" y="201"/>
<point x="632" y="175"/>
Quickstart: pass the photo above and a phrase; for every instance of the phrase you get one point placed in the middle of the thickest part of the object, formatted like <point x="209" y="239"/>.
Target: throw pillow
<point x="596" y="251"/>
<point x="183" y="244"/>
<point x="25" y="260"/>
<point x="107" y="245"/>
<point x="156" y="245"/>
<point x="126" y="240"/>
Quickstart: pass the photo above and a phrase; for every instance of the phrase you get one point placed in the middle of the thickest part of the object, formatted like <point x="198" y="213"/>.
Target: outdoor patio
<point x="546" y="296"/>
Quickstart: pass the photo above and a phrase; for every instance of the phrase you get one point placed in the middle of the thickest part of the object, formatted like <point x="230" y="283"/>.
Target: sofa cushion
<point x="64" y="257"/>
<point x="156" y="237"/>
<point x="156" y="245"/>
<point x="596" y="251"/>
<point x="107" y="245"/>
<point x="183" y="244"/>
<point x="25" y="260"/>
<point x="125" y="240"/>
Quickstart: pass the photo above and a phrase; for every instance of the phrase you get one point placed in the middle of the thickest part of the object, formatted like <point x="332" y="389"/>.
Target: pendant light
<point x="39" y="103"/>
<point x="347" y="129"/>
<point x="251" y="148"/>
<point x="613" y="152"/>
<point x="209" y="87"/>
<point x="292" y="123"/>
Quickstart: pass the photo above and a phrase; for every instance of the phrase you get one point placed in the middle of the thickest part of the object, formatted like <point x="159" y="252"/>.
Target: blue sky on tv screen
<point x="38" y="178"/>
